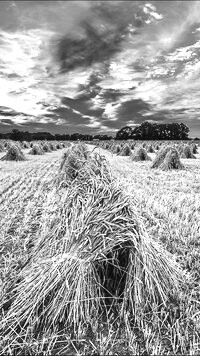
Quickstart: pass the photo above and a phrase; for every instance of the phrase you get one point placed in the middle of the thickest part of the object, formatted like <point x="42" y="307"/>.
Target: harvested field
<point x="99" y="255"/>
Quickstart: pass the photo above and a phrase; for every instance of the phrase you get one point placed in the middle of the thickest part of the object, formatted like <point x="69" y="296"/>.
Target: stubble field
<point x="166" y="205"/>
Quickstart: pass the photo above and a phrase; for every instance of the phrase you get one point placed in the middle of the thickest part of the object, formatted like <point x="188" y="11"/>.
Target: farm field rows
<point x="166" y="204"/>
<point x="24" y="187"/>
<point x="169" y="203"/>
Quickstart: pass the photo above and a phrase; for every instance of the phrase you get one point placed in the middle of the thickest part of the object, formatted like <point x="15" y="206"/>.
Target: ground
<point x="168" y="204"/>
<point x="168" y="201"/>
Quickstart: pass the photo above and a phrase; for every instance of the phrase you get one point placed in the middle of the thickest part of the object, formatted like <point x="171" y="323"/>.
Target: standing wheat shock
<point x="91" y="256"/>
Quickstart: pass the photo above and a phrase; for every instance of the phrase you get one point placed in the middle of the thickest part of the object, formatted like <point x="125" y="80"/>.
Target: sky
<point x="97" y="66"/>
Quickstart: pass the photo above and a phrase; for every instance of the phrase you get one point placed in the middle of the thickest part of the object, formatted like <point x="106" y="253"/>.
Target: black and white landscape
<point x="99" y="178"/>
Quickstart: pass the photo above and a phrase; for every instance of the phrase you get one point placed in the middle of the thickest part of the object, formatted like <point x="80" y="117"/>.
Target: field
<point x="165" y="208"/>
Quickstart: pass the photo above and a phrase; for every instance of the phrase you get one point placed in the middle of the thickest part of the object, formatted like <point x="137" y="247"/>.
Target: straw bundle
<point x="171" y="161"/>
<point x="91" y="254"/>
<point x="2" y="149"/>
<point x="14" y="153"/>
<point x="194" y="148"/>
<point x="125" y="150"/>
<point x="150" y="149"/>
<point x="140" y="154"/>
<point x="52" y="146"/>
<point x="116" y="149"/>
<point x="186" y="152"/>
<point x="25" y="144"/>
<point x="160" y="157"/>
<point x="46" y="148"/>
<point x="36" y="150"/>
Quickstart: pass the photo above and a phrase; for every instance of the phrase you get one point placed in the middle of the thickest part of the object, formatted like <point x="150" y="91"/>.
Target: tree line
<point x="153" y="131"/>
<point x="145" y="131"/>
<point x="17" y="135"/>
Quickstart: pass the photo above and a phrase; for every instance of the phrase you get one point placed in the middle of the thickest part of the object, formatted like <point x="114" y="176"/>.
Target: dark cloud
<point x="83" y="105"/>
<point x="93" y="48"/>
<point x="5" y="111"/>
<point x="167" y="115"/>
<point x="111" y="95"/>
<point x="69" y="116"/>
<point x="110" y="39"/>
<point x="9" y="75"/>
<point x="7" y="121"/>
<point x="132" y="110"/>
<point x="99" y="36"/>
<point x="91" y="88"/>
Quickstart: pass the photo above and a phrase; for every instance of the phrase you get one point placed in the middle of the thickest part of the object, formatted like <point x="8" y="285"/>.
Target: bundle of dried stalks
<point x="36" y="150"/>
<point x="92" y="255"/>
<point x="14" y="153"/>
<point x="171" y="161"/>
<point x="140" y="154"/>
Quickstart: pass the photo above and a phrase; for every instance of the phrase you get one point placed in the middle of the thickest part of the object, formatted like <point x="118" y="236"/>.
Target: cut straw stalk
<point x="140" y="154"/>
<point x="36" y="150"/>
<point x="91" y="253"/>
<point x="14" y="153"/>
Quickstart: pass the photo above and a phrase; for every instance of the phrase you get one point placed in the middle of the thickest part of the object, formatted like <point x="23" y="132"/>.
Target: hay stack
<point x="9" y="144"/>
<point x="82" y="150"/>
<point x="52" y="146"/>
<point x="58" y="146"/>
<point x="46" y="147"/>
<point x="150" y="149"/>
<point x="73" y="161"/>
<point x="160" y="157"/>
<point x="14" y="153"/>
<point x="186" y="152"/>
<point x="92" y="256"/>
<point x="125" y="150"/>
<point x="133" y="145"/>
<point x="36" y="150"/>
<point x="2" y="149"/>
<point x="140" y="154"/>
<point x="194" y="148"/>
<point x="171" y="161"/>
<point x="116" y="149"/>
<point x="25" y="144"/>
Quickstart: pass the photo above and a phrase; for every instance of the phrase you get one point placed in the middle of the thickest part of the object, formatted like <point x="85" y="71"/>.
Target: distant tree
<point x="16" y="135"/>
<point x="146" y="131"/>
<point x="154" y="131"/>
<point x="184" y="131"/>
<point x="125" y="133"/>
<point x="102" y="137"/>
<point x="64" y="137"/>
<point x="76" y="136"/>
<point x="42" y="136"/>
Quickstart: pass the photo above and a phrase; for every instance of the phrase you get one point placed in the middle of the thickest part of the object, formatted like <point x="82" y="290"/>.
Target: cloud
<point x="84" y="106"/>
<point x="125" y="113"/>
<point x="132" y="109"/>
<point x="5" y="111"/>
<point x="100" y="35"/>
<point x="6" y="121"/>
<point x="98" y="65"/>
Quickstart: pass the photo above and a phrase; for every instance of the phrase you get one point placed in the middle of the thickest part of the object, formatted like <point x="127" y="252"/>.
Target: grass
<point x="165" y="207"/>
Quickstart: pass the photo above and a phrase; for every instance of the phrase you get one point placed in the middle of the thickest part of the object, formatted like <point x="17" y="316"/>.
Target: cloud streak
<point x="98" y="65"/>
